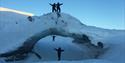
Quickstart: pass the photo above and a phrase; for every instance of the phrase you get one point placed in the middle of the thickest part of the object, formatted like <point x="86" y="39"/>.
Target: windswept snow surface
<point x="82" y="61"/>
<point x="15" y="29"/>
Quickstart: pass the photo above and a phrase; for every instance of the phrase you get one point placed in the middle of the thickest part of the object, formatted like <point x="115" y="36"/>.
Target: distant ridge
<point x="16" y="11"/>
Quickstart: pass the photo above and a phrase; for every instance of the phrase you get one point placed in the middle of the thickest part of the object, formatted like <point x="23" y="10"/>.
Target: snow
<point x="117" y="49"/>
<point x="85" y="61"/>
<point x="15" y="29"/>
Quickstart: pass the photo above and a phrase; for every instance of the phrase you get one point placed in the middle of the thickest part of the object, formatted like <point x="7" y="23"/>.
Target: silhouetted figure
<point x="53" y="7"/>
<point x="59" y="51"/>
<point x="54" y="37"/>
<point x="100" y="44"/>
<point x="58" y="6"/>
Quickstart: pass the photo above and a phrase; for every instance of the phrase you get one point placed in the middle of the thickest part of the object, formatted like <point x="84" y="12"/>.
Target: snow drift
<point x="15" y="31"/>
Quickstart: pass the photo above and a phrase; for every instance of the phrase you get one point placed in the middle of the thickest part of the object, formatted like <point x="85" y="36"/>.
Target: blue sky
<point x="107" y="14"/>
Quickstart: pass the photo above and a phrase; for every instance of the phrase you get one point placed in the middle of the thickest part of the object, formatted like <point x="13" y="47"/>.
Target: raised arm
<point x="62" y="50"/>
<point x="55" y="49"/>
<point x="50" y="4"/>
<point x="61" y="4"/>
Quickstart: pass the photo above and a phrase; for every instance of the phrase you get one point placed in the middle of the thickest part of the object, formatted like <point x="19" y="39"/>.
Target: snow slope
<point x="15" y="29"/>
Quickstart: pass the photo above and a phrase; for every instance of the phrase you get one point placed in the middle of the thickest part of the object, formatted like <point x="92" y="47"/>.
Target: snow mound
<point x="16" y="28"/>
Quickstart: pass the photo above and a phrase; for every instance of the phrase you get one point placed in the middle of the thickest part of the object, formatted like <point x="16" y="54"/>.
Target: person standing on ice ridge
<point x="59" y="51"/>
<point x="58" y="7"/>
<point x="53" y="7"/>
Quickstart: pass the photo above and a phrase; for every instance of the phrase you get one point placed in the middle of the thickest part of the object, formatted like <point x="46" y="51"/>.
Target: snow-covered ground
<point x="15" y="29"/>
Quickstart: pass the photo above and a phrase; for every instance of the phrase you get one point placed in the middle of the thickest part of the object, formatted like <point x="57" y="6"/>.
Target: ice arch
<point x="30" y="42"/>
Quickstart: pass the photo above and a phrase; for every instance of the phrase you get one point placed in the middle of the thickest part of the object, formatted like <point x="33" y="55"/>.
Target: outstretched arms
<point x="62" y="50"/>
<point x="61" y="3"/>
<point x="55" y="49"/>
<point x="50" y="4"/>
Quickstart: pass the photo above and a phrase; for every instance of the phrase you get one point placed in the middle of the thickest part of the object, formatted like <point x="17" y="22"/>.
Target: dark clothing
<point x="59" y="51"/>
<point x="58" y="7"/>
<point x="54" y="37"/>
<point x="53" y="7"/>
